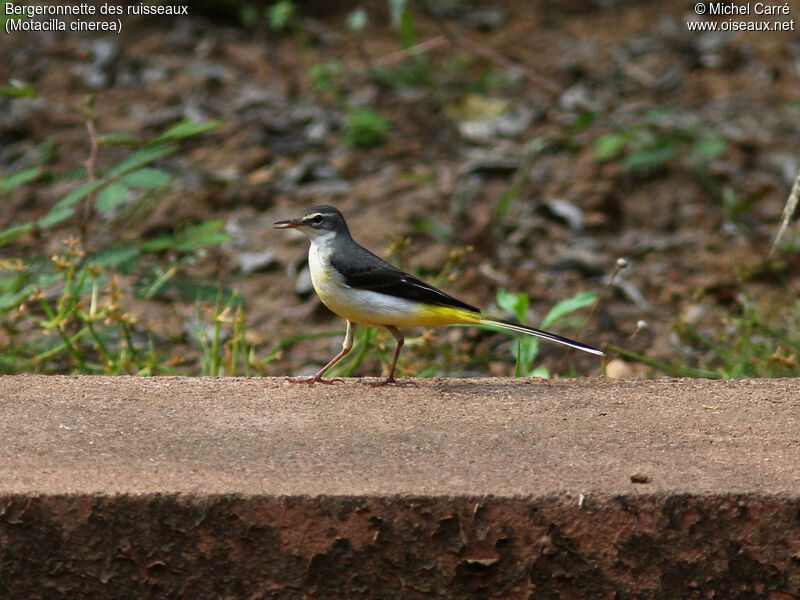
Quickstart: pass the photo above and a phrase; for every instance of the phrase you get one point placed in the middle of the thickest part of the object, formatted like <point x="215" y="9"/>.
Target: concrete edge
<point x="211" y="546"/>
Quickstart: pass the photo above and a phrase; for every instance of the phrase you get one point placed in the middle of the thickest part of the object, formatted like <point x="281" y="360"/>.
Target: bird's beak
<point x="288" y="224"/>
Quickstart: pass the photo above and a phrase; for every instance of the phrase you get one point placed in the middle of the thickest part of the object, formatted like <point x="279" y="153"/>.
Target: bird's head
<point x="316" y="221"/>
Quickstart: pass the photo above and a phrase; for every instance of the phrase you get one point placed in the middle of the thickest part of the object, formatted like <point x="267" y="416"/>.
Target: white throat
<point x="319" y="258"/>
<point x="322" y="240"/>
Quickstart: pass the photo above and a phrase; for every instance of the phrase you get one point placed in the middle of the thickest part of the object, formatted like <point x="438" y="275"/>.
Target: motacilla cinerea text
<point x="366" y="290"/>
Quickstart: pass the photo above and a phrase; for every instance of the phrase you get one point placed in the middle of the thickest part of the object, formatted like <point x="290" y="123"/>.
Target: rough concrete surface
<point x="123" y="487"/>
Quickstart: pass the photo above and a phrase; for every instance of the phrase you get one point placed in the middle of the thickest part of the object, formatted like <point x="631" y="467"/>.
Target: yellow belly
<point x="400" y="313"/>
<point x="366" y="307"/>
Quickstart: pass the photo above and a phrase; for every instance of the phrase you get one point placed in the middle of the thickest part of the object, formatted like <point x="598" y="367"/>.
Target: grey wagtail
<point x="366" y="290"/>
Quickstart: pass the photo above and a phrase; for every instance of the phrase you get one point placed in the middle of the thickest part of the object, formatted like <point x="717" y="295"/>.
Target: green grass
<point x="366" y="128"/>
<point x="755" y="343"/>
<point x="526" y="348"/>
<point x="79" y="325"/>
<point x="65" y="313"/>
<point x="653" y="142"/>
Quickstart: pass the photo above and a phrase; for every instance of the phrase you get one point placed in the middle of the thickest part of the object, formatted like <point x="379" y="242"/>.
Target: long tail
<point x="518" y="328"/>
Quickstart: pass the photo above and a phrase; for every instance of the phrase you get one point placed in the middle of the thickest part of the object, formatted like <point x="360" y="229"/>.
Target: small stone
<point x="304" y="286"/>
<point x="260" y="176"/>
<point x="546" y="546"/>
<point x="569" y="213"/>
<point x="482" y="562"/>
<point x="619" y="369"/>
<point x="640" y="477"/>
<point x="251" y="262"/>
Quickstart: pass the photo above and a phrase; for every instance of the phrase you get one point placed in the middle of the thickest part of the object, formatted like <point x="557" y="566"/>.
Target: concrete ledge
<point x="210" y="488"/>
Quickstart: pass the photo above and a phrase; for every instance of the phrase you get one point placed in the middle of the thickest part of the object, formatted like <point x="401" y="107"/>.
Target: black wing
<point x="365" y="271"/>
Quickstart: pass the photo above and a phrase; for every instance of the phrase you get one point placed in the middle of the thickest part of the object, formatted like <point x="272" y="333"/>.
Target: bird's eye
<point x="316" y="220"/>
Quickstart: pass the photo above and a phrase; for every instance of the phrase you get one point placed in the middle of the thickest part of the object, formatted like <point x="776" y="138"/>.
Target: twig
<point x="473" y="46"/>
<point x="501" y="59"/>
<point x="88" y="203"/>
<point x="532" y="150"/>
<point x="68" y="342"/>
<point x="788" y="211"/>
<point x="675" y="370"/>
<point x="434" y="42"/>
<point x="129" y="341"/>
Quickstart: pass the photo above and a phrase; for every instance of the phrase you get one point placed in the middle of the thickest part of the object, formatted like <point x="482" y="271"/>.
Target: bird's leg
<point x="347" y="345"/>
<point x="400" y="341"/>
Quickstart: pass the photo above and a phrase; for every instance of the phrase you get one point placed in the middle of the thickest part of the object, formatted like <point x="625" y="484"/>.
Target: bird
<point x="364" y="289"/>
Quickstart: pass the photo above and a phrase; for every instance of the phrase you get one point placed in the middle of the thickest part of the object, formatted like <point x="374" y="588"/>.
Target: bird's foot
<point x="315" y="379"/>
<point x="389" y="381"/>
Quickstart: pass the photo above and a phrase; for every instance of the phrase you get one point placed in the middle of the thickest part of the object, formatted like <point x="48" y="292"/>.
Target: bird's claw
<point x="316" y="379"/>
<point x="389" y="381"/>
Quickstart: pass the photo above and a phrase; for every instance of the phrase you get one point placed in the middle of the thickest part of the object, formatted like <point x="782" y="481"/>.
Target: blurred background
<point x="602" y="168"/>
